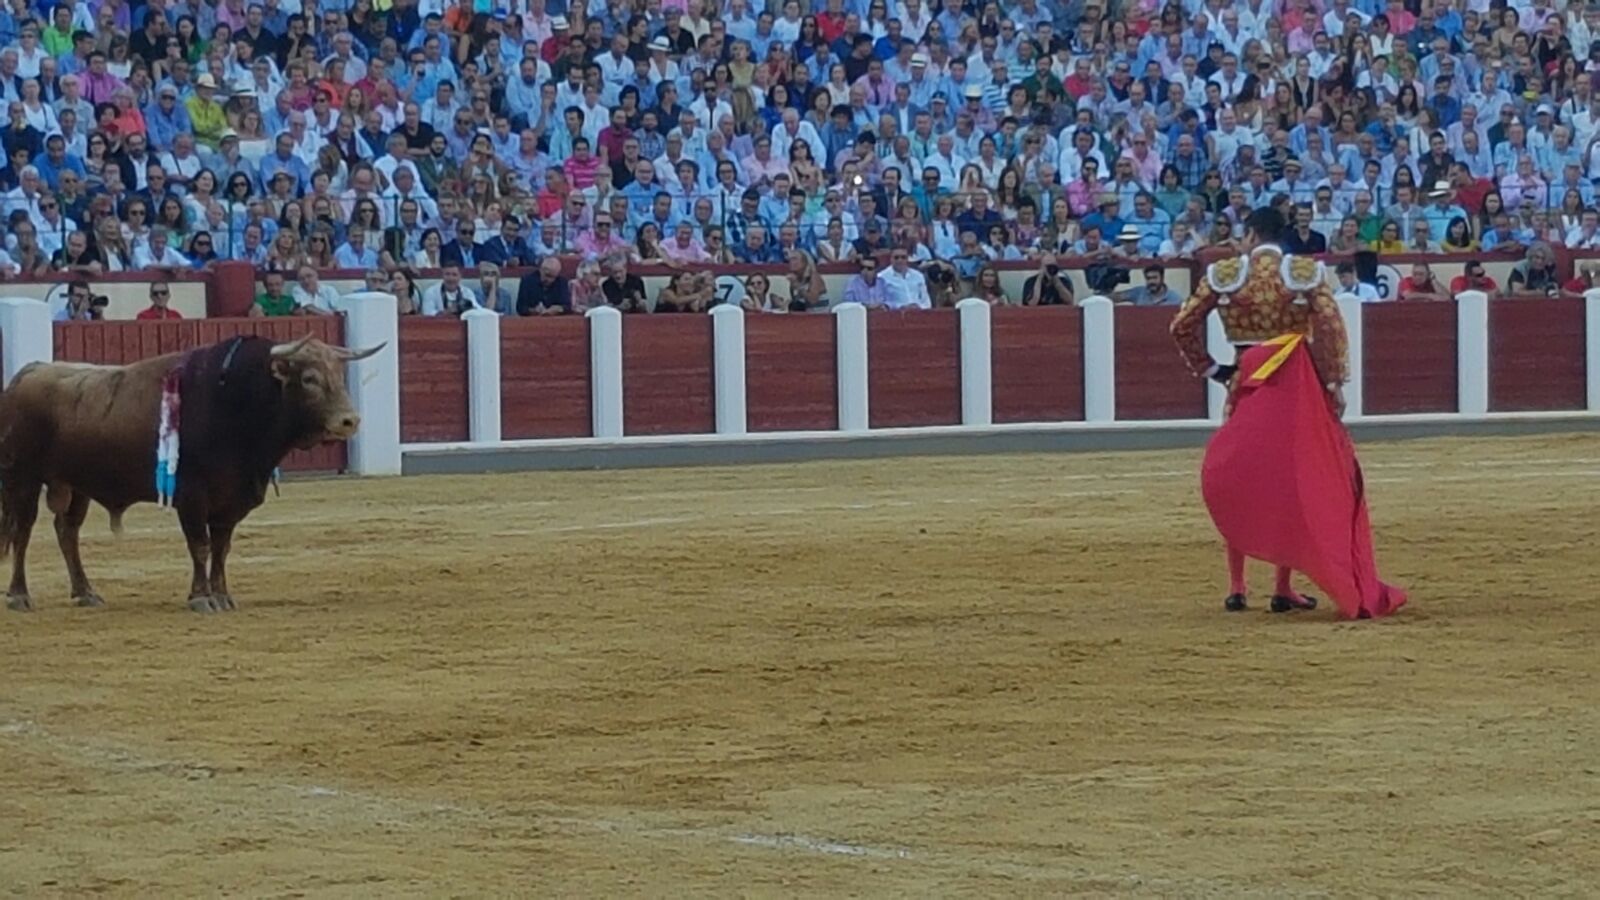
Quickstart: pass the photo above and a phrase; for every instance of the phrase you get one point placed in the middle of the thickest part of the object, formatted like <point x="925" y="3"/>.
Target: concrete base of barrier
<point x="1069" y="437"/>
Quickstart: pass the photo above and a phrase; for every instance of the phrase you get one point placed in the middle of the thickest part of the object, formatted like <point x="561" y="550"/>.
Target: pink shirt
<point x="591" y="247"/>
<point x="581" y="174"/>
<point x="98" y="89"/>
<point x="1147" y="170"/>
<point x="677" y="252"/>
<point x="880" y="94"/>
<point x="756" y="171"/>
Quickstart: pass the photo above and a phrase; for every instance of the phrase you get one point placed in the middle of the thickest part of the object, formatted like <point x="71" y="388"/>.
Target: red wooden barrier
<point x="1152" y="380"/>
<point x="1038" y="364"/>
<point x="544" y="378"/>
<point x="913" y="368"/>
<point x="118" y="343"/>
<point x="791" y="373"/>
<point x="433" y="379"/>
<point x="1537" y="355"/>
<point x="666" y="375"/>
<point x="1410" y="358"/>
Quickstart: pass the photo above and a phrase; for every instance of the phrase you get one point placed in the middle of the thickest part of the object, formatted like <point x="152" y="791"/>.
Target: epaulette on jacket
<point x="1226" y="276"/>
<point x="1302" y="273"/>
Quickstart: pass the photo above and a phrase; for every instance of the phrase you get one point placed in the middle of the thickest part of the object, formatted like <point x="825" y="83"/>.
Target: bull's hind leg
<point x="199" y="537"/>
<point x="71" y="508"/>
<point x="21" y="511"/>
<point x="221" y="543"/>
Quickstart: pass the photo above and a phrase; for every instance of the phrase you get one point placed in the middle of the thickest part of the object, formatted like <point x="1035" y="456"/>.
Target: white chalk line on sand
<point x="304" y="805"/>
<point x="376" y="808"/>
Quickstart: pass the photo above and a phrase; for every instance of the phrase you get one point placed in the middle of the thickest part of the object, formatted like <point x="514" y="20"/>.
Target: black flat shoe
<point x="1234" y="603"/>
<point x="1282" y="604"/>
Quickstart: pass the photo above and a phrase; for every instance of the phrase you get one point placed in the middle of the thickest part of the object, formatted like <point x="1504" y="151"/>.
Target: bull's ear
<point x="282" y="369"/>
<point x="356" y="355"/>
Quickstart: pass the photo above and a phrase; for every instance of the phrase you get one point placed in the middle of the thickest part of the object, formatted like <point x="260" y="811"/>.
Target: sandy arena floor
<point x="983" y="676"/>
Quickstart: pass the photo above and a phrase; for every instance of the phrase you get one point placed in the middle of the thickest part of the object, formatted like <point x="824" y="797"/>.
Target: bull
<point x="81" y="433"/>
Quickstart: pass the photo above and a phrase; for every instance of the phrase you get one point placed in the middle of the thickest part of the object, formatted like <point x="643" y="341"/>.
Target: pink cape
<point x="1283" y="485"/>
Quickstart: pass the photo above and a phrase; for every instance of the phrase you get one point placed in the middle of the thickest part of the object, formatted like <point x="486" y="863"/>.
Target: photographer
<point x="83" y="305"/>
<point x="944" y="285"/>
<point x="1048" y="287"/>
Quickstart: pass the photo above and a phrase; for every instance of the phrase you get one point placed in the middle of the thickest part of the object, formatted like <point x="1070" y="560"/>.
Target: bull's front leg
<point x="221" y="543"/>
<point x="198" y="535"/>
<point x="71" y="508"/>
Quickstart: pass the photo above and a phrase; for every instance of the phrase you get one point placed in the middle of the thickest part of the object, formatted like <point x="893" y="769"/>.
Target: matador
<point x="1280" y="477"/>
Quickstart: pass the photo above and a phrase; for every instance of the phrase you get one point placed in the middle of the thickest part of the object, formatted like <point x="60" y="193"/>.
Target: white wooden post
<point x="483" y="375"/>
<point x="1099" y="359"/>
<point x="371" y="318"/>
<point x="1591" y="300"/>
<point x="605" y="370"/>
<point x="26" y="335"/>
<point x="1354" y="327"/>
<point x="977" y="362"/>
<point x="850" y="348"/>
<point x="727" y="333"/>
<point x="1472" y="346"/>
<point x="1222" y="351"/>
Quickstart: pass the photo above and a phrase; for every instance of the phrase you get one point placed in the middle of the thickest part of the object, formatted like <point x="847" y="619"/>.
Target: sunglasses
<point x="158" y="293"/>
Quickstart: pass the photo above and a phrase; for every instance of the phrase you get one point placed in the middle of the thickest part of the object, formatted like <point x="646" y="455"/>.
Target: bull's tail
<point x="8" y="515"/>
<point x="7" y="522"/>
<point x="116" y="522"/>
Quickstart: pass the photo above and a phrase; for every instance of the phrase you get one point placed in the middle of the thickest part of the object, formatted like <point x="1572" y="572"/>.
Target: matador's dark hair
<point x="1267" y="224"/>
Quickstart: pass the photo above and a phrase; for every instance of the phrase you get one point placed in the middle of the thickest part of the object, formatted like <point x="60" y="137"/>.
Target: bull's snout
<point x="342" y="428"/>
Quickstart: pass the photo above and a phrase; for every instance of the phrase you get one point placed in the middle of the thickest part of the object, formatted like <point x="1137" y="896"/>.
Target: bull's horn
<point x="291" y="348"/>
<point x="356" y="355"/>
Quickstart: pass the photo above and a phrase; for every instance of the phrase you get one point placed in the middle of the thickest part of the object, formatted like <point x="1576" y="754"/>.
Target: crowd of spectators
<point x="921" y="140"/>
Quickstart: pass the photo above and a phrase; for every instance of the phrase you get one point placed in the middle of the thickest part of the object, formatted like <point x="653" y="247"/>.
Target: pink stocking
<point x="1285" y="584"/>
<point x="1235" y="571"/>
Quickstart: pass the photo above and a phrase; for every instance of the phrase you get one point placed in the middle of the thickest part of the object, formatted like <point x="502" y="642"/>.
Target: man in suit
<point x="462" y="251"/>
<point x="507" y="248"/>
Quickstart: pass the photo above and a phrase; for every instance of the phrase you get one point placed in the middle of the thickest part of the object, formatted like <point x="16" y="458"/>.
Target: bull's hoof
<point x="201" y="603"/>
<point x="19" y="602"/>
<point x="224" y="602"/>
<point x="91" y="599"/>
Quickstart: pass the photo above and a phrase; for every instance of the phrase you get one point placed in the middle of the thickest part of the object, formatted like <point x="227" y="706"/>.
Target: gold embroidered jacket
<point x="1262" y="296"/>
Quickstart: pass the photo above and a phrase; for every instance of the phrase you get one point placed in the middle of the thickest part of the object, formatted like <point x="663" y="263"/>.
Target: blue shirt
<point x="348" y="258"/>
<point x="165" y="127"/>
<point x="1448" y="108"/>
<point x="1152" y="231"/>
<point x="271" y="165"/>
<point x="51" y="173"/>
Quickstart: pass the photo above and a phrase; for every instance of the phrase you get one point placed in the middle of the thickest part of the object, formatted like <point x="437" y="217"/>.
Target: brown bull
<point x="81" y="433"/>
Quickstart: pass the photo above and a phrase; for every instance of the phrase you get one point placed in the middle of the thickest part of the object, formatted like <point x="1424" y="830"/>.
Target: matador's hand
<point x="1336" y="397"/>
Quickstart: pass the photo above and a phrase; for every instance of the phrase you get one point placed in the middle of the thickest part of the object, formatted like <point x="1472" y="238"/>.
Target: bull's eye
<point x="310" y="379"/>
